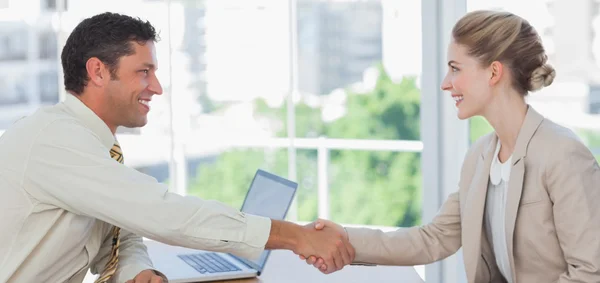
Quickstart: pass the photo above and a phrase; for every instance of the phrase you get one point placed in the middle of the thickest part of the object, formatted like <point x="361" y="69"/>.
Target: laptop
<point x="269" y="196"/>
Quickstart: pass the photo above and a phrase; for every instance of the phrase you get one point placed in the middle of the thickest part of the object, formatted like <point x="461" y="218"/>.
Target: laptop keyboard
<point x="208" y="263"/>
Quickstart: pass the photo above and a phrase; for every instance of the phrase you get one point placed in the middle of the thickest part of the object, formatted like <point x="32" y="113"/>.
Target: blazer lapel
<point x="515" y="188"/>
<point x="515" y="184"/>
<point x="474" y="210"/>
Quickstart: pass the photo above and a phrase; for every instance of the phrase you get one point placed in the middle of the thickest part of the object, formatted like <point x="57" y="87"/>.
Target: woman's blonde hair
<point x="501" y="36"/>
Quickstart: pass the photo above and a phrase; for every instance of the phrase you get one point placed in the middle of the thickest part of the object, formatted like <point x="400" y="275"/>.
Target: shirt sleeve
<point x="71" y="169"/>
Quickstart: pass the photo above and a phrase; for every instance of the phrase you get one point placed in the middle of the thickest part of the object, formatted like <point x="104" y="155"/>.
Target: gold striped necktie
<point x="111" y="265"/>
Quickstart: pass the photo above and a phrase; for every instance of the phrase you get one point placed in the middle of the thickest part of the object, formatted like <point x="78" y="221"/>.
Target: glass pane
<point x="28" y="62"/>
<point x="358" y="69"/>
<point x="231" y="71"/>
<point x="375" y="188"/>
<point x="308" y="174"/>
<point x="225" y="175"/>
<point x="242" y="84"/>
<point x="147" y="153"/>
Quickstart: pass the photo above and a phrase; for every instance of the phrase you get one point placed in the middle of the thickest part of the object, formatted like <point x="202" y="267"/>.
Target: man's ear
<point x="96" y="71"/>
<point x="497" y="71"/>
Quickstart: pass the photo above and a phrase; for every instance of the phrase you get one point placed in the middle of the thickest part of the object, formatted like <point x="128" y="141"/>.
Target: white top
<point x="59" y="189"/>
<point x="496" y="211"/>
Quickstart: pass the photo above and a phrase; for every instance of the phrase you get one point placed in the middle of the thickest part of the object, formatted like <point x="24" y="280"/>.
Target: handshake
<point x="325" y="245"/>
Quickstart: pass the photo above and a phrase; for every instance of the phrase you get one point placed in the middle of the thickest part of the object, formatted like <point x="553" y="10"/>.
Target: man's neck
<point x="91" y="101"/>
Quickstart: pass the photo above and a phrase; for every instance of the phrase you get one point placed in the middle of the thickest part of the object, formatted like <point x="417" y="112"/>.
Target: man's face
<point x="129" y="94"/>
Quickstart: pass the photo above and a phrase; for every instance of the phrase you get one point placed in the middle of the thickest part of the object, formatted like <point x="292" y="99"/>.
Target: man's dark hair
<point x="106" y="36"/>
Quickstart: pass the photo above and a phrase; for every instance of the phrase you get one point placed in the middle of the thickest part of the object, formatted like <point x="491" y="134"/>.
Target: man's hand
<point x="147" y="276"/>
<point x="329" y="244"/>
<point x="322" y="263"/>
<point x="321" y="224"/>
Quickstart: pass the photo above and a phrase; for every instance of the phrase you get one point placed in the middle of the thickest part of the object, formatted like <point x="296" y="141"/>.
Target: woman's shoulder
<point x="555" y="145"/>
<point x="551" y="135"/>
<point x="549" y="138"/>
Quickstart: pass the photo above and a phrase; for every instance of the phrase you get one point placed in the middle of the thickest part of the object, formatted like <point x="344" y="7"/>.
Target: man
<point x="68" y="205"/>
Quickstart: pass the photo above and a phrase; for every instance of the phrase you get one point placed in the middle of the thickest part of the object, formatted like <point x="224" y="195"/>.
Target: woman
<point x="528" y="204"/>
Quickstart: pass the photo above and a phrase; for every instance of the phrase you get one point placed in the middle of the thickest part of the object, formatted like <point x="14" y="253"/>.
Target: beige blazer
<point x="552" y="214"/>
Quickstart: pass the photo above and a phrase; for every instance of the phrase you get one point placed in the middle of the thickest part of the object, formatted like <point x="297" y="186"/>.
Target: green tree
<point x="386" y="184"/>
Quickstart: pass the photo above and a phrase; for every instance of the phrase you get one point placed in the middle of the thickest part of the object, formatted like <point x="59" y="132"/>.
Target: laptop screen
<point x="269" y="196"/>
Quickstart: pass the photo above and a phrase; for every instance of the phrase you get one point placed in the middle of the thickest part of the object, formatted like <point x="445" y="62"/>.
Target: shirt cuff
<point x="258" y="229"/>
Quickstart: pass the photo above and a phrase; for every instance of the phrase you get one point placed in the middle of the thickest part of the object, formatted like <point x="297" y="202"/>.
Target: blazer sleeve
<point x="424" y="244"/>
<point x="411" y="246"/>
<point x="573" y="183"/>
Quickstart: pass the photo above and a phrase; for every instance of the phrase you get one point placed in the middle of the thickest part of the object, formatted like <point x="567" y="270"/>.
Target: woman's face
<point x="467" y="81"/>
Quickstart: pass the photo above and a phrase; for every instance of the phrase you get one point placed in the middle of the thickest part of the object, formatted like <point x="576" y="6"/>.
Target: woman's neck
<point x="506" y="115"/>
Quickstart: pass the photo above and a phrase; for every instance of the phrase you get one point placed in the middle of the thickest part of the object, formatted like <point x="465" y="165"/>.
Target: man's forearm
<point x="283" y="235"/>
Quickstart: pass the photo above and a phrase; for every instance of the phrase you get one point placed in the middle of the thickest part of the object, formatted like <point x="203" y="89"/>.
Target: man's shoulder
<point x="45" y="119"/>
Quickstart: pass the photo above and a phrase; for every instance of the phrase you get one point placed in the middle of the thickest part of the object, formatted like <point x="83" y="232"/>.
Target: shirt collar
<point x="90" y="120"/>
<point x="500" y="171"/>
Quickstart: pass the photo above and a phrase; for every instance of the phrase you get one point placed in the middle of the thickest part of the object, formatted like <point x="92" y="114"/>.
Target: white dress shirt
<point x="496" y="211"/>
<point x="60" y="192"/>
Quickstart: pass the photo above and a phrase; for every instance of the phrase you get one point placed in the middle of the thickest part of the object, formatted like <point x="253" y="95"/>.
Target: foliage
<point x="366" y="187"/>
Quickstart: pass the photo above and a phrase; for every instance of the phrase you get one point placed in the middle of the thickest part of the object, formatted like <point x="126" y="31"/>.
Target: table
<point x="284" y="266"/>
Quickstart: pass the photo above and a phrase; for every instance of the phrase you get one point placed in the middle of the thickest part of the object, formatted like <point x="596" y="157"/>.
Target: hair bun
<point x="541" y="77"/>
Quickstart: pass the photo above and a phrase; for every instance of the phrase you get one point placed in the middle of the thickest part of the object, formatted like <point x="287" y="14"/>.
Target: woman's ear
<point x="497" y="71"/>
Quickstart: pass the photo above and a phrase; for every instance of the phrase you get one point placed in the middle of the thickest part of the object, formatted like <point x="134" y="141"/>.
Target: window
<point x="234" y="108"/>
<point x="338" y="111"/>
<point x="353" y="73"/>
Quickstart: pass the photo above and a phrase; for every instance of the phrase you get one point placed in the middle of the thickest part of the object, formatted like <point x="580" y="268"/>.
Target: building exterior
<point x="29" y="61"/>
